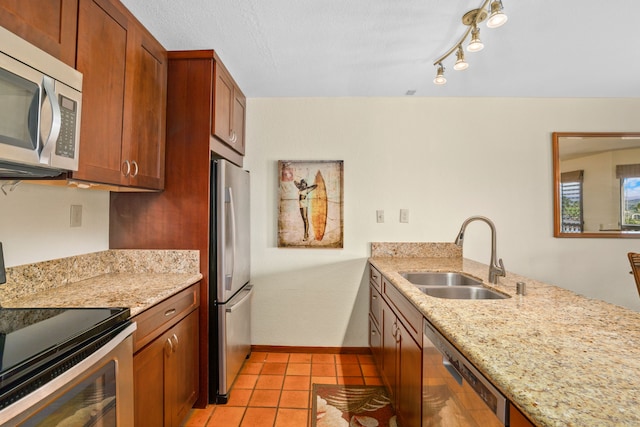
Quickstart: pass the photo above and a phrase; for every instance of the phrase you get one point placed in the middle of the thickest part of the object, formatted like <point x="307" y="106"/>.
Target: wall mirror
<point x="596" y="184"/>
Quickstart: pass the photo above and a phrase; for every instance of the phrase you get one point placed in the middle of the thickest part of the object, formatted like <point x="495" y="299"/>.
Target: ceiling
<point x="335" y="48"/>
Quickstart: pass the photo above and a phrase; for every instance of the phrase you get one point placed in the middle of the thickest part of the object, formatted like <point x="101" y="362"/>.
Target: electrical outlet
<point x="380" y="216"/>
<point x="404" y="215"/>
<point x="76" y="216"/>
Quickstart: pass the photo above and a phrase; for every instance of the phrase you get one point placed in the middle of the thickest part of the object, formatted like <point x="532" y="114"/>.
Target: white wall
<point x="444" y="159"/>
<point x="35" y="223"/>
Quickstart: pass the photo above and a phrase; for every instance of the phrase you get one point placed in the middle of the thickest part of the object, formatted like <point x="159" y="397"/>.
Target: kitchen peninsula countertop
<point x="562" y="358"/>
<point x="117" y="278"/>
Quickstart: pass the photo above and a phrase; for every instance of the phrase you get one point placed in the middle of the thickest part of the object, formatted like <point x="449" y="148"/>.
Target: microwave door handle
<point x="33" y="120"/>
<point x="56" y="121"/>
<point x="232" y="221"/>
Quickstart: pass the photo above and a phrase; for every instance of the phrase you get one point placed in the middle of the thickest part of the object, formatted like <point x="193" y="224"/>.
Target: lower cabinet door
<point x="409" y="401"/>
<point x="389" y="349"/>
<point x="166" y="376"/>
<point x="375" y="342"/>
<point x="148" y="380"/>
<point x="181" y="388"/>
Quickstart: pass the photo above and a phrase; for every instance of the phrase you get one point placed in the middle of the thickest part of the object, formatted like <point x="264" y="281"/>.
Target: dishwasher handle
<point x="452" y="370"/>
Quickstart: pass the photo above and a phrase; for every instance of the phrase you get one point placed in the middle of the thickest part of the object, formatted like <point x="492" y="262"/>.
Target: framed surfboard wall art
<point x="310" y="204"/>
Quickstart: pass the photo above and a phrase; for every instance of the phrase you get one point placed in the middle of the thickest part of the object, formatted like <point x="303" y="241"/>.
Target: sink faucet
<point x="495" y="268"/>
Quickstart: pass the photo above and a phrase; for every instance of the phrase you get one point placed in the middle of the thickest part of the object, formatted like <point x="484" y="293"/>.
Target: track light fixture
<point x="489" y="8"/>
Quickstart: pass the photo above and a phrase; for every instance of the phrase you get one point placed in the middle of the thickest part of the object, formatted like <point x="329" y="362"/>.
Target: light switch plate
<point x="76" y="216"/>
<point x="380" y="216"/>
<point x="404" y="215"/>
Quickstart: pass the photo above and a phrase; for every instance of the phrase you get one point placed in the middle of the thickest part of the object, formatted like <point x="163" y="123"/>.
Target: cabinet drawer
<point x="375" y="309"/>
<point x="157" y="319"/>
<point x="375" y="278"/>
<point x="406" y="312"/>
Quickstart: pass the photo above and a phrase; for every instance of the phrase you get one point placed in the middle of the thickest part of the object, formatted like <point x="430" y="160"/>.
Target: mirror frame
<point x="556" y="186"/>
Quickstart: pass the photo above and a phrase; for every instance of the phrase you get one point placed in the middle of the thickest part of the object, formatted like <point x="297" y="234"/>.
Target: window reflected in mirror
<point x="596" y="184"/>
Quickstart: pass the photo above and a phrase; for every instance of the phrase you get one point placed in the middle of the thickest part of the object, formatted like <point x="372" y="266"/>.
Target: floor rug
<point x="351" y="406"/>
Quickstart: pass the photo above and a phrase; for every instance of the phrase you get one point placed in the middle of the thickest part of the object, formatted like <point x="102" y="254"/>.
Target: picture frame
<point x="310" y="204"/>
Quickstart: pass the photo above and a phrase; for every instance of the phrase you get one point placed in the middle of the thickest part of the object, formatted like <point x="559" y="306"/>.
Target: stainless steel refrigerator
<point x="230" y="293"/>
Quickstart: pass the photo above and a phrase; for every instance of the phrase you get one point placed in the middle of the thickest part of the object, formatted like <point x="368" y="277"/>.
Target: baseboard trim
<point x="298" y="349"/>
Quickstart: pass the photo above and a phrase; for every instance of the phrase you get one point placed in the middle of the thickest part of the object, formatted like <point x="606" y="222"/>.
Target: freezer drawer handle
<point x="244" y="299"/>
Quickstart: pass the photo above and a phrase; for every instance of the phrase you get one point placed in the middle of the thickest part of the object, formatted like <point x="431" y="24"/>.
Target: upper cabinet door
<point x="223" y="104"/>
<point x="228" y="109"/>
<point x="51" y="26"/>
<point x="102" y="47"/>
<point x="145" y="110"/>
<point x="239" y="108"/>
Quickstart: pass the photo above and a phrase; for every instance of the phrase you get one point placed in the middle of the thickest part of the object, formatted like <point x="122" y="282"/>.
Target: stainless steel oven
<point x="84" y="379"/>
<point x="454" y="392"/>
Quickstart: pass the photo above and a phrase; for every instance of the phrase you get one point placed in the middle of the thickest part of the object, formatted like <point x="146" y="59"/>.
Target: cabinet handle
<point x="373" y="332"/>
<point x="126" y="164"/>
<point x="395" y="330"/>
<point x="374" y="296"/>
<point x="170" y="312"/>
<point x="135" y="171"/>
<point x="168" y="347"/>
<point x="375" y="276"/>
<point x="176" y="342"/>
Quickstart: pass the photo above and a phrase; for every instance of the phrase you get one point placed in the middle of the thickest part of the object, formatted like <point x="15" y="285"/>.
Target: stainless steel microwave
<point x="40" y="106"/>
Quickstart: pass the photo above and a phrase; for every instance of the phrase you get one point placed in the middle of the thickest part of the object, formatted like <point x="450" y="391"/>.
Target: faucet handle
<point x="502" y="271"/>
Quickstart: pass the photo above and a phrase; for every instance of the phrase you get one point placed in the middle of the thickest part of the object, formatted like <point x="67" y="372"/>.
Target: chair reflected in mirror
<point x="634" y="259"/>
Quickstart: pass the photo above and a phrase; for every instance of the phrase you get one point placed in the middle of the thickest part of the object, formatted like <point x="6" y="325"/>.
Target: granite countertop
<point x="137" y="291"/>
<point x="137" y="279"/>
<point x="562" y="358"/>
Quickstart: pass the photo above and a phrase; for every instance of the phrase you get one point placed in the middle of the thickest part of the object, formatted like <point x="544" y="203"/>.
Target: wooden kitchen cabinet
<point x="402" y="368"/>
<point x="399" y="355"/>
<point x="178" y="217"/>
<point x="228" y="112"/>
<point x="51" y="27"/>
<point x="165" y="362"/>
<point x="124" y="69"/>
<point x="375" y="316"/>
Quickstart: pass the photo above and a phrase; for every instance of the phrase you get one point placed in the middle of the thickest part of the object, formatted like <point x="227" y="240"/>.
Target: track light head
<point x="460" y="64"/>
<point x="475" y="45"/>
<point x="440" y="79"/>
<point x="497" y="18"/>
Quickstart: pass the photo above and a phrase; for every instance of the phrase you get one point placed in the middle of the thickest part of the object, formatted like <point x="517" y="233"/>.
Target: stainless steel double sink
<point x="451" y="285"/>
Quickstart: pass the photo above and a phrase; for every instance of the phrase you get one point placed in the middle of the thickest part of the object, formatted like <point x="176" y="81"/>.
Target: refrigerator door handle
<point x="232" y="222"/>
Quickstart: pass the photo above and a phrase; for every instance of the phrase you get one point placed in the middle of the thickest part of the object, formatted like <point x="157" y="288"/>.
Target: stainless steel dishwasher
<point x="454" y="392"/>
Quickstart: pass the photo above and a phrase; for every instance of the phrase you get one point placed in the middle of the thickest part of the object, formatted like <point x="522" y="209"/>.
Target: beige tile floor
<point x="274" y="389"/>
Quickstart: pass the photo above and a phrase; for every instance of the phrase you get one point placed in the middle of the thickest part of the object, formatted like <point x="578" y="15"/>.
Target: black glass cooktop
<point x="35" y="339"/>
